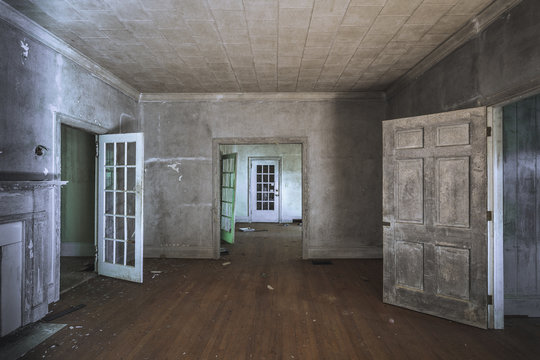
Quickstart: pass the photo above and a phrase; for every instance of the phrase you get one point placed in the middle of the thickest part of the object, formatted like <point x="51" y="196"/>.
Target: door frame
<point x="274" y="158"/>
<point x="60" y="119"/>
<point x="216" y="181"/>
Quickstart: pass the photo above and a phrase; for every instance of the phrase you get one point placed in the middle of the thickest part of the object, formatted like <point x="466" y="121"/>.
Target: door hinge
<point x="97" y="148"/>
<point x="488" y="131"/>
<point x="489" y="216"/>
<point x="490" y="299"/>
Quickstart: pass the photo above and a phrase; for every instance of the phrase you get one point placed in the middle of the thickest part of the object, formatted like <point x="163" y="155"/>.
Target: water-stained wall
<point x="39" y="88"/>
<point x="497" y="65"/>
<point x="343" y="169"/>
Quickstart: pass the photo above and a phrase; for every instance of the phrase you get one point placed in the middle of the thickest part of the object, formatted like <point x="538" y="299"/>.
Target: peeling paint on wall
<point x="25" y="49"/>
<point x="175" y="167"/>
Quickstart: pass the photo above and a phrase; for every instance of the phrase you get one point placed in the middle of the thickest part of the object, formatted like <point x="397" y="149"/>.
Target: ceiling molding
<point x="263" y="96"/>
<point x="471" y="29"/>
<point x="38" y="33"/>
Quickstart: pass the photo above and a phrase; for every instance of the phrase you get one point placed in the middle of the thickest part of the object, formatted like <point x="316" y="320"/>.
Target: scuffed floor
<point x="262" y="301"/>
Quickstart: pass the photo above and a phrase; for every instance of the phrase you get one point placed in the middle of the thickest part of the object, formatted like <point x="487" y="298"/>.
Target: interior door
<point x="228" y="196"/>
<point x="434" y="215"/>
<point x="264" y="190"/>
<point x="120" y="206"/>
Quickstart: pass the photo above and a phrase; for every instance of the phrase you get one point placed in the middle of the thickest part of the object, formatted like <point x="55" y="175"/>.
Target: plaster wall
<point x="290" y="188"/>
<point x="499" y="64"/>
<point x="343" y="170"/>
<point x="37" y="88"/>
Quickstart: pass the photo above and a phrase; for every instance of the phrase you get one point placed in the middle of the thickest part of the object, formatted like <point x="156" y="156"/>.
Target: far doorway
<point x="264" y="187"/>
<point x="269" y="186"/>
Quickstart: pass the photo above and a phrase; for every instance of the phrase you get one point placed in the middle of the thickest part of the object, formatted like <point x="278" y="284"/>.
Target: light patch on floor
<point x="17" y="344"/>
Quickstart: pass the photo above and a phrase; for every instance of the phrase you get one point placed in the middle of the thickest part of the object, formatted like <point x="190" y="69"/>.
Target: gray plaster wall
<point x="499" y="64"/>
<point x="34" y="90"/>
<point x="343" y="170"/>
<point x="290" y="189"/>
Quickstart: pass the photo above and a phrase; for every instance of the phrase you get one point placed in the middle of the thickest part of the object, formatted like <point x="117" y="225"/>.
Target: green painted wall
<point x="78" y="196"/>
<point x="291" y="177"/>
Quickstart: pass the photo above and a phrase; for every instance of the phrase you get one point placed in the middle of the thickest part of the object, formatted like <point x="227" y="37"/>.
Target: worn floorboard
<point x="267" y="304"/>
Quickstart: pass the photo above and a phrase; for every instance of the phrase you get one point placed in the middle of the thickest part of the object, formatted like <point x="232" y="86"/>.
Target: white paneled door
<point x="435" y="215"/>
<point x="264" y="190"/>
<point x="120" y="206"/>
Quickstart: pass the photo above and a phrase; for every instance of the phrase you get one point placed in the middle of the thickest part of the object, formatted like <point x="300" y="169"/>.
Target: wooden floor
<point x="266" y="304"/>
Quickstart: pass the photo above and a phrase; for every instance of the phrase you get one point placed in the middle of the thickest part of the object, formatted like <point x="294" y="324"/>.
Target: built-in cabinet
<point x="29" y="216"/>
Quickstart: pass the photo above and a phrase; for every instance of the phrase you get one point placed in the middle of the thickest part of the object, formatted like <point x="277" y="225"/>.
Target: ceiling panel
<point x="254" y="45"/>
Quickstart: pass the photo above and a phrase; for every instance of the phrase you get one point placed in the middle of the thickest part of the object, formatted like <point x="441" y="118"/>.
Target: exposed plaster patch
<point x="180" y="178"/>
<point x="175" y="167"/>
<point x="45" y="171"/>
<point x="25" y="49"/>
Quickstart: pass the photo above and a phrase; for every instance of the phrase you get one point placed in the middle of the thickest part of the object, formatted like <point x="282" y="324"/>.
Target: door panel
<point x="264" y="190"/>
<point x="120" y="206"/>
<point x="434" y="209"/>
<point x="228" y="196"/>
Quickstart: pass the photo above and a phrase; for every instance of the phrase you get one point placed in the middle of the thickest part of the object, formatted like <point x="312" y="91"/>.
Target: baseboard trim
<point x="178" y="252"/>
<point x="363" y="252"/>
<point x="529" y="306"/>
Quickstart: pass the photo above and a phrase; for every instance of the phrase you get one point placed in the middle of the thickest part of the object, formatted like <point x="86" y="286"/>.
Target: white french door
<point x="264" y="190"/>
<point x="120" y="206"/>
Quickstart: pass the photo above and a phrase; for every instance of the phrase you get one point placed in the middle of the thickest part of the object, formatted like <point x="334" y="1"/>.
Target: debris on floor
<point x="246" y="229"/>
<point x="224" y="251"/>
<point x="269" y="287"/>
<point x="155" y="273"/>
<point x="226" y="263"/>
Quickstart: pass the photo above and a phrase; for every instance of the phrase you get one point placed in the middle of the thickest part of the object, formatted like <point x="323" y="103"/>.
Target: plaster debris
<point x="226" y="263"/>
<point x="155" y="273"/>
<point x="246" y="229"/>
<point x="180" y="178"/>
<point x="269" y="287"/>
<point x="45" y="171"/>
<point x="391" y="321"/>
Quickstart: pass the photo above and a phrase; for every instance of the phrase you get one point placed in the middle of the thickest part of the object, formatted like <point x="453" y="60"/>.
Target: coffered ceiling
<point x="254" y="45"/>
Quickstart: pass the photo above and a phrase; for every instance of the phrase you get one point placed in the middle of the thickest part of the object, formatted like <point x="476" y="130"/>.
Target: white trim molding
<point x="38" y="33"/>
<point x="262" y="96"/>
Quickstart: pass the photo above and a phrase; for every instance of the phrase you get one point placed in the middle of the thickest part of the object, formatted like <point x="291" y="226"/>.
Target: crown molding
<point x="471" y="29"/>
<point x="262" y="96"/>
<point x="38" y="33"/>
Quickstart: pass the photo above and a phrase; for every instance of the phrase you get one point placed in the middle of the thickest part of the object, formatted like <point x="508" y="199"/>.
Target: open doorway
<point x="270" y="187"/>
<point x="521" y="207"/>
<point x="515" y="193"/>
<point x="78" y="198"/>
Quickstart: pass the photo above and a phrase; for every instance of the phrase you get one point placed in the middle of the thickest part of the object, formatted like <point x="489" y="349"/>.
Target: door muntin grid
<point x="120" y="203"/>
<point x="265" y="191"/>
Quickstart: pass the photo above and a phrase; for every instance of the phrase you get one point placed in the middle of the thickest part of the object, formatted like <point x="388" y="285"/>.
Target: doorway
<point x="270" y="184"/>
<point x="78" y="197"/>
<point x="521" y="207"/>
<point x="264" y="188"/>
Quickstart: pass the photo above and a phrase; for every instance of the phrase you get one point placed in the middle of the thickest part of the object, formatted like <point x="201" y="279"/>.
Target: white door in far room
<point x="264" y="201"/>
